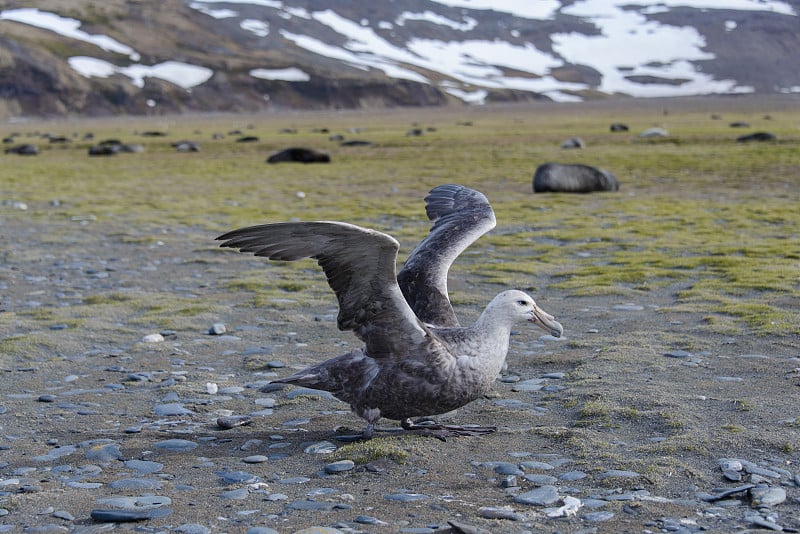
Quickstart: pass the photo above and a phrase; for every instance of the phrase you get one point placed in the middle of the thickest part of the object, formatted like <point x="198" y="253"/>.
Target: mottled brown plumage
<point x="416" y="360"/>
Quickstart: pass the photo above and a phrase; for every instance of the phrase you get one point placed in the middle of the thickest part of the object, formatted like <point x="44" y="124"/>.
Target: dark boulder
<point x="356" y="142"/>
<point x="757" y="136"/>
<point x="654" y="133"/>
<point x="573" y="142"/>
<point x="572" y="178"/>
<point x="186" y="146"/>
<point x="618" y="127"/>
<point x="23" y="150"/>
<point x="740" y="124"/>
<point x="108" y="149"/>
<point x="247" y="139"/>
<point x="299" y="155"/>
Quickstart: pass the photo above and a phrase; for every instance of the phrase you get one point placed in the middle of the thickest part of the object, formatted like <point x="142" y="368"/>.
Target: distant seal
<point x="572" y="178"/>
<point x="299" y="155"/>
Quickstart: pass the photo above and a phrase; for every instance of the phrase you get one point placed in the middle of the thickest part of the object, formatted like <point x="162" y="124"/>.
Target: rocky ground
<point x="136" y="355"/>
<point x="106" y="422"/>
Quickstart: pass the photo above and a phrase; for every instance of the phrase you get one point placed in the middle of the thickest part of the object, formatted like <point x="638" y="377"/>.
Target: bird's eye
<point x="522" y="302"/>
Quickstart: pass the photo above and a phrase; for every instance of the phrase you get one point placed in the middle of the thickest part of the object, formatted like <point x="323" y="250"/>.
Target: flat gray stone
<point x="542" y="496"/>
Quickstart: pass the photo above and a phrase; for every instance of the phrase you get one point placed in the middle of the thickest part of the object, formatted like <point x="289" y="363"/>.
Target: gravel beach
<point x="607" y="430"/>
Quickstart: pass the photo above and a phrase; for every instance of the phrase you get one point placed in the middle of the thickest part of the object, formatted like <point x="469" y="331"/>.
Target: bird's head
<point x="520" y="306"/>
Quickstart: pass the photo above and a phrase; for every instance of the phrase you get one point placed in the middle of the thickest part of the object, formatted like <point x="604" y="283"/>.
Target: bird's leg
<point x="442" y="432"/>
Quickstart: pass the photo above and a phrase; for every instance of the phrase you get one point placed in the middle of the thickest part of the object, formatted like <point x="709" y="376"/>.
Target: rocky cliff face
<point x="147" y="57"/>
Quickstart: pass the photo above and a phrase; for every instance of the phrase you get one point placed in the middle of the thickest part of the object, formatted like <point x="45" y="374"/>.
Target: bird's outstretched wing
<point x="361" y="268"/>
<point x="460" y="216"/>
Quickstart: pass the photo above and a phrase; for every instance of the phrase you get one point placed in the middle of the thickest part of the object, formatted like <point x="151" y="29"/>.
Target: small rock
<point x="321" y="447"/>
<point x="501" y="513"/>
<point x="542" y="496"/>
<point x="255" y="459"/>
<point x="217" y="329"/>
<point x="406" y="497"/>
<point x="597" y="517"/>
<point x="233" y="421"/>
<point x="153" y="338"/>
<point x="678" y="354"/>
<point x="126" y="516"/>
<point x="175" y="445"/>
<point x="368" y="520"/>
<point x="767" y="496"/>
<point x="339" y="467"/>
<point x="237" y="477"/>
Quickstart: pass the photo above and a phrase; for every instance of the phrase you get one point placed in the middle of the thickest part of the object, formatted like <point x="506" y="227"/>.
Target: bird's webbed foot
<point x="442" y="432"/>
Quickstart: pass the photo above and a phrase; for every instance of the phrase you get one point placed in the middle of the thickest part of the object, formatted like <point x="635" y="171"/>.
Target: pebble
<point x="153" y="338"/>
<point x="175" y="445"/>
<point x="127" y="516"/>
<point x="541" y="480"/>
<point x="507" y="468"/>
<point x="237" y="477"/>
<point x="628" y="307"/>
<point x="678" y="354"/>
<point x="406" y="497"/>
<point x="534" y="384"/>
<point x="368" y="520"/>
<point x="726" y="493"/>
<point x="144" y="467"/>
<point x="321" y="447"/>
<point x="542" y="466"/>
<point x="237" y="494"/>
<point x="217" y="329"/>
<point x="339" y="467"/>
<point x="597" y="517"/>
<point x="193" y="528"/>
<point x="501" y="513"/>
<point x="542" y="496"/>
<point x="571" y="476"/>
<point x="767" y="496"/>
<point x="233" y="421"/>
<point x="171" y="409"/>
<point x="255" y="459"/>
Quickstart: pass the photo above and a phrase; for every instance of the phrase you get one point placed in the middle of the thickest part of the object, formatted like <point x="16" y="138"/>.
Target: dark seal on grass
<point x="572" y="178"/>
<point x="299" y="155"/>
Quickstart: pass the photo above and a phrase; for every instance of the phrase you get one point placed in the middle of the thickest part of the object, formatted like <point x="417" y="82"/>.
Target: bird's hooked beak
<point x="546" y="322"/>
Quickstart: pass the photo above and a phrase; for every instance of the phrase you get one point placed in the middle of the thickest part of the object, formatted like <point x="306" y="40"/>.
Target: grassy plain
<point x="697" y="211"/>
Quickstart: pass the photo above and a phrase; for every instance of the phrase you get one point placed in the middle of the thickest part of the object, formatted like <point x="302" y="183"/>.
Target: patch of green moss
<point x="379" y="448"/>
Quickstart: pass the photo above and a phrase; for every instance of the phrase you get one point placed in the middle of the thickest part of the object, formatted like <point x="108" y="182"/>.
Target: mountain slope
<point x="146" y="56"/>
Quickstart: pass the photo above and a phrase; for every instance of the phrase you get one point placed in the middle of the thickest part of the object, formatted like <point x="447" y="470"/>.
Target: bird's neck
<point x="495" y="325"/>
<point x="492" y="346"/>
